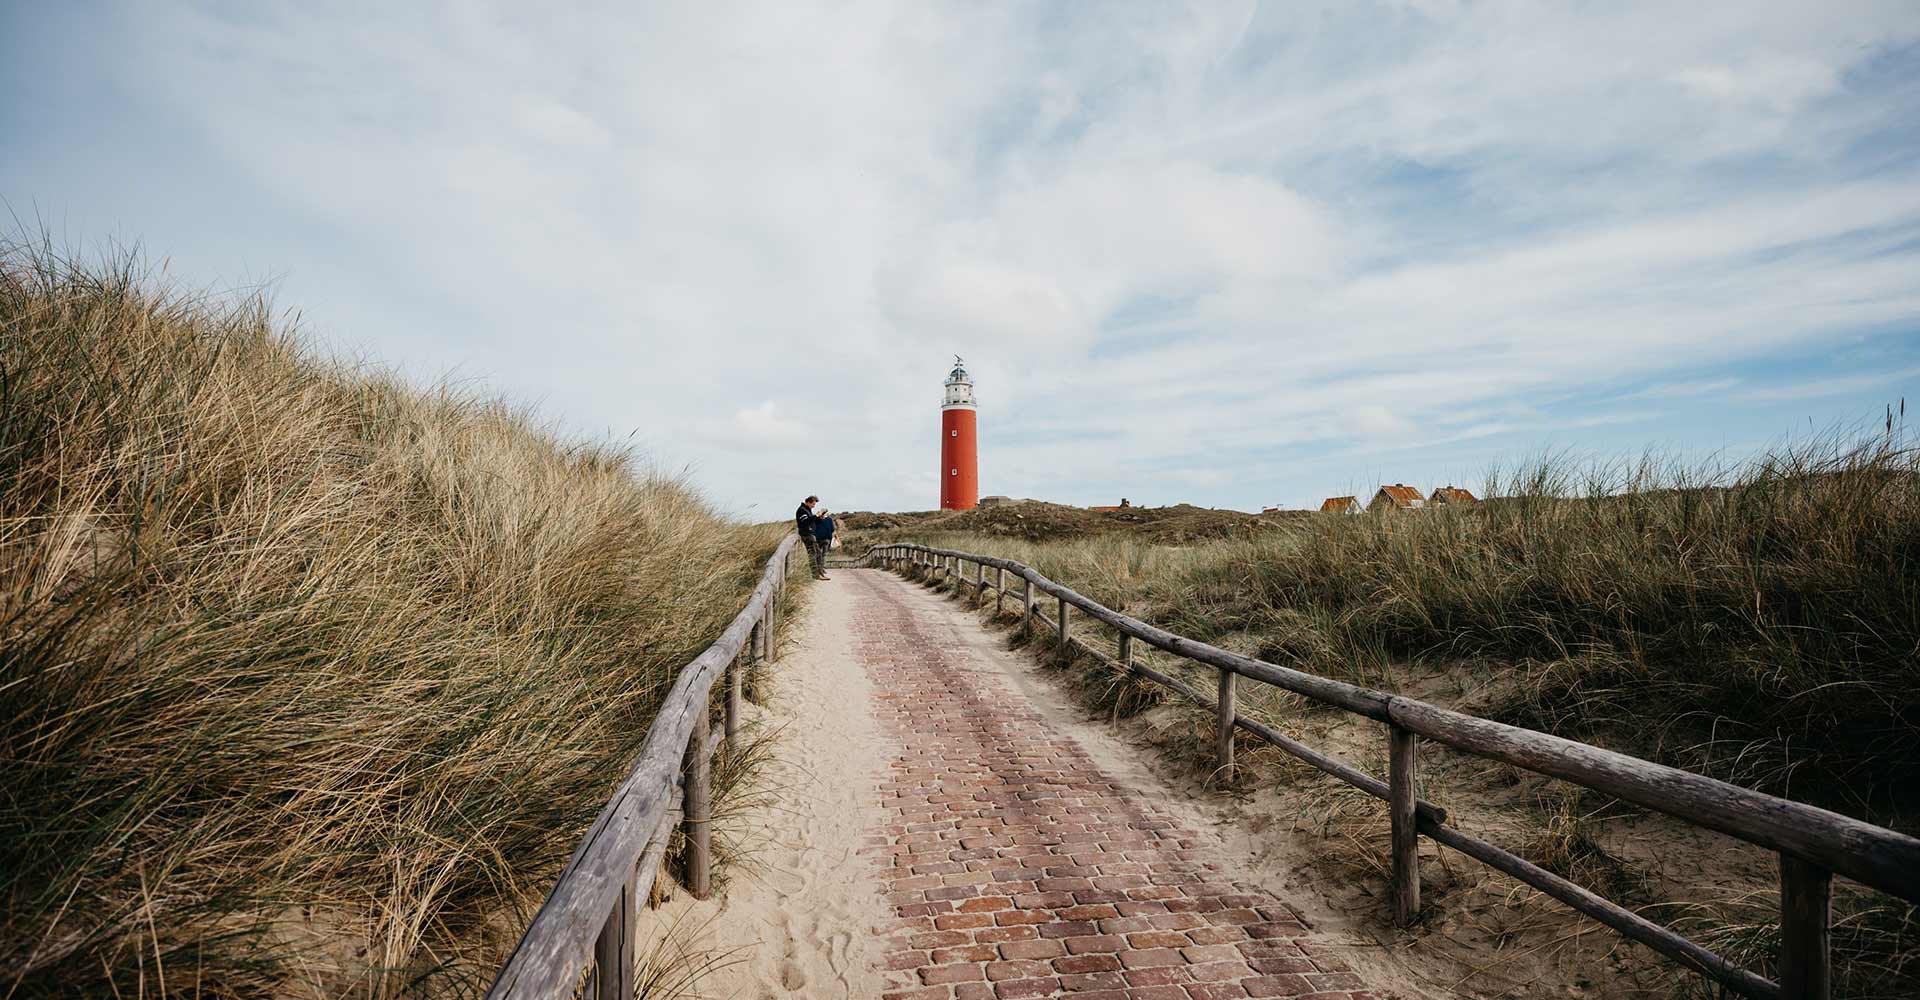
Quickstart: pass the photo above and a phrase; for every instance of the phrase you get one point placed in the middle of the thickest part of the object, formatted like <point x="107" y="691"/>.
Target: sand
<point x="801" y="920"/>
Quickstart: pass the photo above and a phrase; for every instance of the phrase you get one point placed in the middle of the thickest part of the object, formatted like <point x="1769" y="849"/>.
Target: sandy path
<point x="943" y="825"/>
<point x="801" y="921"/>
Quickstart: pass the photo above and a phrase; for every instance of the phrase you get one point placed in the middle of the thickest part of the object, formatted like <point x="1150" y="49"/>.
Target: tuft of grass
<point x="678" y="964"/>
<point x="310" y="679"/>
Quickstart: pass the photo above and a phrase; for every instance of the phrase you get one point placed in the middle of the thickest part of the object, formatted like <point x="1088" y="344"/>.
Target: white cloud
<point x="763" y="425"/>
<point x="1777" y="83"/>
<point x="1813" y="388"/>
<point x="1377" y="420"/>
<point x="1169" y="240"/>
<point x="1677" y="390"/>
<point x="556" y="124"/>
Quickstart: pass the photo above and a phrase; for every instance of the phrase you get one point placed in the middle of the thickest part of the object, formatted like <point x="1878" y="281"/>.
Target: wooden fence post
<point x="979" y="582"/>
<point x="735" y="676"/>
<point x="1026" y="615"/>
<point x="1806" y="909"/>
<point x="756" y="644"/>
<point x="613" y="950"/>
<point x="773" y="616"/>
<point x="1063" y="625"/>
<point x="1126" y="651"/>
<point x="1223" y="726"/>
<point x="1402" y="764"/>
<point x="697" y="806"/>
<point x="999" y="588"/>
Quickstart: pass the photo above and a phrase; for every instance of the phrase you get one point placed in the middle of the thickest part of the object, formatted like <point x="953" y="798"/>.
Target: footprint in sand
<point x="837" y="953"/>
<point x="792" y="976"/>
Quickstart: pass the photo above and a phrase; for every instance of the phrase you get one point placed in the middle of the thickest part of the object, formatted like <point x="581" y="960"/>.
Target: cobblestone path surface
<point x="1015" y="868"/>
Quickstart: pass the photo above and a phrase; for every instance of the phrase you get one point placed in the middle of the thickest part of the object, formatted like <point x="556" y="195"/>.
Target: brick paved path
<point x="1016" y="868"/>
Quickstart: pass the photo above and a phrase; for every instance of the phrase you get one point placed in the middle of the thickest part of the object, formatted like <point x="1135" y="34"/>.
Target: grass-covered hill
<point x="310" y="679"/>
<point x="1037" y="521"/>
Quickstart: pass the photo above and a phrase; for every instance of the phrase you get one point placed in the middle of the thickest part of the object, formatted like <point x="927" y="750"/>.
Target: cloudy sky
<point x="1229" y="254"/>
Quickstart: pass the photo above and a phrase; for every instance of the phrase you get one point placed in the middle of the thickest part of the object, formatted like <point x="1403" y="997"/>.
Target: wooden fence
<point x="587" y="921"/>
<point x="1813" y="844"/>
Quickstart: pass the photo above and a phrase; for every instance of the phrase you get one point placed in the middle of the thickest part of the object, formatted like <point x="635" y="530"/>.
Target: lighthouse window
<point x="953" y="472"/>
<point x="954" y="433"/>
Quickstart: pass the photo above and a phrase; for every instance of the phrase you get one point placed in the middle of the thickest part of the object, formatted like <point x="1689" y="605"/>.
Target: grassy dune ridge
<point x="310" y="679"/>
<point x="1757" y="622"/>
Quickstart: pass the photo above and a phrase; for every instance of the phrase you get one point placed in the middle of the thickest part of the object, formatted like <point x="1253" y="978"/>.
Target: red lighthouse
<point x="959" y="459"/>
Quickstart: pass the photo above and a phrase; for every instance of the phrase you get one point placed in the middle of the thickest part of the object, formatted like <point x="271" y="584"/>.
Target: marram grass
<point x="310" y="680"/>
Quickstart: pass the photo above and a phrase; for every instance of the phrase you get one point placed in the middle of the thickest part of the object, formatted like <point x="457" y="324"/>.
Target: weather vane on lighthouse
<point x="959" y="458"/>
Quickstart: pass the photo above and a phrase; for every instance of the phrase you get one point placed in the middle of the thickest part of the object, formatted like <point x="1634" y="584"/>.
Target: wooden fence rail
<point x="588" y="917"/>
<point x="1813" y="844"/>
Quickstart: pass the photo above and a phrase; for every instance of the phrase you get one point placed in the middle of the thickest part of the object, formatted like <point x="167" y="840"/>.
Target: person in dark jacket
<point x="803" y="523"/>
<point x="822" y="543"/>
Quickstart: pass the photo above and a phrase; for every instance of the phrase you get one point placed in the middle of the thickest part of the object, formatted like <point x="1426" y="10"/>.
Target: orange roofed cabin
<point x="1452" y="496"/>
<point x="1399" y="496"/>
<point x="1341" y="505"/>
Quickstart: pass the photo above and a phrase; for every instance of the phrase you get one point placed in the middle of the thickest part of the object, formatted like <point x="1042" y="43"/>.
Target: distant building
<point x="994" y="501"/>
<point x="1341" y="505"/>
<point x="1124" y="504"/>
<point x="1399" y="496"/>
<point x="959" y="453"/>
<point x="1452" y="496"/>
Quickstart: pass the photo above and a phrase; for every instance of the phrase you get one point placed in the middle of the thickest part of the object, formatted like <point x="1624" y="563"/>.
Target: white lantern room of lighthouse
<point x="959" y="388"/>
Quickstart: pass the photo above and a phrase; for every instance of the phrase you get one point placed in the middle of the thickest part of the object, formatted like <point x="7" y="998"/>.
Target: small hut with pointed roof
<point x="1341" y="505"/>
<point x="1399" y="496"/>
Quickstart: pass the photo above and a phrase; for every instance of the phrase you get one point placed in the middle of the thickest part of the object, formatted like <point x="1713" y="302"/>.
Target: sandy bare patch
<point x="800" y="921"/>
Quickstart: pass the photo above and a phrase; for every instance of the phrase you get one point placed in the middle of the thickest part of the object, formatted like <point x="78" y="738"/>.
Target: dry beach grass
<point x="310" y="679"/>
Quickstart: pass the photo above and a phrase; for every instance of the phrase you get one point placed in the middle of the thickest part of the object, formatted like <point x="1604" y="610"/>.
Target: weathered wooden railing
<point x="588" y="918"/>
<point x="1813" y="844"/>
